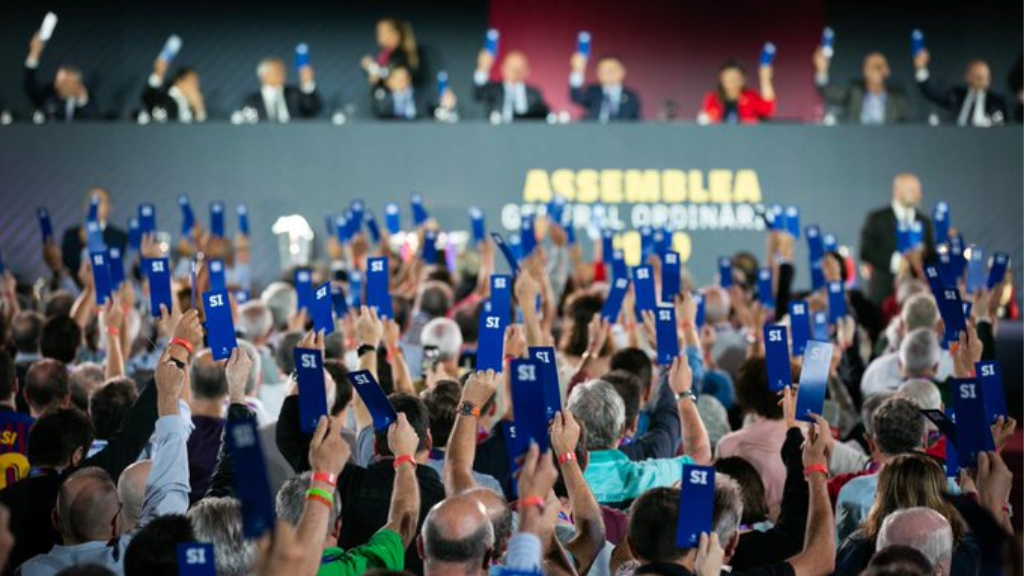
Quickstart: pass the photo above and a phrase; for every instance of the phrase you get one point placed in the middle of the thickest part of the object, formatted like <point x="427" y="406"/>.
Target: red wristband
<point x="567" y="457"/>
<point x="399" y="460"/>
<point x="326" y="478"/>
<point x="113" y="331"/>
<point x="532" y="501"/>
<point x="816" y="468"/>
<point x="183" y="343"/>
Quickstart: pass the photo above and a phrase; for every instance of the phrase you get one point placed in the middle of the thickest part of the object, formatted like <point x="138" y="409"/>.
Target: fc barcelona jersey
<point x="14" y="427"/>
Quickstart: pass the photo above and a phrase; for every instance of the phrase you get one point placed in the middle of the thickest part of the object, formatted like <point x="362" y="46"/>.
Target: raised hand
<point x="537" y="475"/>
<point x="565" y="433"/>
<point x="709" y="555"/>
<point x="680" y="376"/>
<point x="237" y="370"/>
<point x="189" y="328"/>
<point x="480" y="387"/>
<point x="597" y="334"/>
<point x="328" y="451"/>
<point x="402" y="438"/>
<point x="818" y="445"/>
<point x="369" y="329"/>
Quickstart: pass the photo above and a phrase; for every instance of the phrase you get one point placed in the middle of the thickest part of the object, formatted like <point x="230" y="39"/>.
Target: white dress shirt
<point x="275" y="103"/>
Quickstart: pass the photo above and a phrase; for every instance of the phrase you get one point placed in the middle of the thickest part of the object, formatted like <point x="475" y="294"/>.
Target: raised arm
<point x="399" y="369"/>
<point x="369" y="331"/>
<point x="328" y="453"/>
<point x="404" y="513"/>
<point x="818" y="558"/>
<point x="527" y="290"/>
<point x="458" y="458"/>
<point x="586" y="513"/>
<point x="237" y="372"/>
<point x="695" y="438"/>
<point x="112" y="319"/>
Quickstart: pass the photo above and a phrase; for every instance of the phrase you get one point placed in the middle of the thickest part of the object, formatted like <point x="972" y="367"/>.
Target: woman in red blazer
<point x="733" y="102"/>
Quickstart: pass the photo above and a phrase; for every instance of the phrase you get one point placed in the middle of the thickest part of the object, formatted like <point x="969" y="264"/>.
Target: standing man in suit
<point x="871" y="100"/>
<point x="65" y="99"/>
<point x="276" y="102"/>
<point x="73" y="244"/>
<point x="511" y="99"/>
<point x="971" y="103"/>
<point x="878" y="249"/>
<point x="182" y="101"/>
<point x="607" y="100"/>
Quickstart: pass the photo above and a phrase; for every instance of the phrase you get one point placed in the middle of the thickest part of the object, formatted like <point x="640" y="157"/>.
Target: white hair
<point x="920" y="353"/>
<point x="282" y="301"/>
<point x="255" y="320"/>
<point x="602" y="411"/>
<point x="922" y="391"/>
<point x="921" y="528"/>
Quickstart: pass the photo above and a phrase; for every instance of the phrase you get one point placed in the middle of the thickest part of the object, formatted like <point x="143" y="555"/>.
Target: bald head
<point x="131" y="488"/>
<point x="498" y="512"/>
<point x="978" y="76"/>
<point x="457" y="532"/>
<point x="87" y="507"/>
<point x="515" y="67"/>
<point x="906" y="190"/>
<point x="923" y="529"/>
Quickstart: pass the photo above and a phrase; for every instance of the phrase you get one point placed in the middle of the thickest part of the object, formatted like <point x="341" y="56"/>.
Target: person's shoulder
<point x="854" y="486"/>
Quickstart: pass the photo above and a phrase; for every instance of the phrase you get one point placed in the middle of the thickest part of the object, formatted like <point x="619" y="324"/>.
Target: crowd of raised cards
<point x="400" y="406"/>
<point x="399" y="89"/>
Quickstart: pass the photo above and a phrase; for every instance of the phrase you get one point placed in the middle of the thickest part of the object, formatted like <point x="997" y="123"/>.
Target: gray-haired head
<point x="922" y="391"/>
<point x="728" y="508"/>
<point x="602" y="411"/>
<point x="923" y="529"/>
<point x="919" y="311"/>
<point x="255" y="320"/>
<point x="898" y="426"/>
<point x="219" y="522"/>
<point x="82" y="381"/>
<point x="919" y="354"/>
<point x="291" y="500"/>
<point x="717" y="304"/>
<point x="131" y="489"/>
<point x="282" y="301"/>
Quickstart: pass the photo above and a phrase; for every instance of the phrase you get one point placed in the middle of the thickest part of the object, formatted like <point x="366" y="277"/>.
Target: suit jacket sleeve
<point x="580" y="95"/>
<point x="33" y="89"/>
<point x="538" y="107"/>
<point x="310" y="104"/>
<point x="634" y="110"/>
<point x="930" y="90"/>
<point x="151" y="97"/>
<point x="832" y="94"/>
<point x="124" y="447"/>
<point x="871" y="244"/>
<point x="293" y="444"/>
<point x="662" y="436"/>
<point x="222" y="483"/>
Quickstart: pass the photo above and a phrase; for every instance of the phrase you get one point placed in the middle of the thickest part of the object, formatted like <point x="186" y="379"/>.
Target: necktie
<point x="69" y="110"/>
<point x="965" y="112"/>
<point x="508" y="107"/>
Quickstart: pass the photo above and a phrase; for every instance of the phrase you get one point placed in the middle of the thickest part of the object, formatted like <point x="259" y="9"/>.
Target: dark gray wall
<point x="835" y="174"/>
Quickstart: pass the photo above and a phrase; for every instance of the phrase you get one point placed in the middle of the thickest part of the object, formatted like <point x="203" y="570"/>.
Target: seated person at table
<point x="733" y="103"/>
<point x="512" y="98"/>
<point x="869" y="100"/>
<point x="607" y="99"/>
<point x="278" y="102"/>
<point x="398" y="99"/>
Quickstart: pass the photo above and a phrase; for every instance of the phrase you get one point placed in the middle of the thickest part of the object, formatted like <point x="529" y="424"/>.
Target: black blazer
<point x="300" y="105"/>
<point x="492" y="96"/>
<point x="73" y="243"/>
<point x="851" y="99"/>
<point x="591" y="97"/>
<point x="44" y="98"/>
<point x="878" y="242"/>
<point x="383" y="104"/>
<point x="154" y="98"/>
<point x="952" y="100"/>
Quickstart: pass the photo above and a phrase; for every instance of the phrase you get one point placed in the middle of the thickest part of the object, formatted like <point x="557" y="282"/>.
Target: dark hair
<point x="46" y="384"/>
<point x="109" y="404"/>
<point x="442" y="401"/>
<point x="898" y="426"/>
<point x="8" y="375"/>
<point x="56" y="435"/>
<point x="26" y="331"/>
<point x="283" y="355"/>
<point x="752" y="392"/>
<point x="755" y="506"/>
<point x="208" y="378"/>
<point x="731" y="64"/>
<point x="153" y="550"/>
<point x="581" y="308"/>
<point x="629" y="388"/>
<point x="652" y="526"/>
<point x="85" y="570"/>
<point x="60" y="304"/>
<point x="636" y="362"/>
<point x="406" y="41"/>
<point x="899" y="560"/>
<point x="435" y="300"/>
<point x="384" y="377"/>
<point x="468" y="320"/>
<point x="60" y="339"/>
<point x="416" y="412"/>
<point x="342" y="387"/>
<point x="402" y="308"/>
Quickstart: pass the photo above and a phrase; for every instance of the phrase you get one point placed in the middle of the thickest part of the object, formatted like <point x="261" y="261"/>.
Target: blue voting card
<point x="544" y="356"/>
<point x="352" y="226"/>
<point x="147" y="218"/>
<point x="810" y="398"/>
<point x="646" y="243"/>
<point x="430" y="247"/>
<point x="997" y="272"/>
<point x="515" y="246"/>
<point x="670" y="277"/>
<point x="800" y="325"/>
<point x="956" y="251"/>
<point x="442" y="84"/>
<point x="952" y="312"/>
<point x="490" y="351"/>
<point x="134" y="234"/>
<point x="499" y="241"/>
<point x="973" y="428"/>
<point x="776" y="357"/>
<point x="45" y="224"/>
<point x="193" y="284"/>
<point x="220" y="329"/>
<point x="817" y="276"/>
<point x="339" y="301"/>
<point x="940" y="223"/>
<point x="196" y="559"/>
<point x="358" y="209"/>
<point x="793" y="221"/>
<point x="341" y="229"/>
<point x="777" y="218"/>
<point x="944" y="422"/>
<point x="661" y="238"/>
<point x="373" y="227"/>
<point x="101" y="276"/>
<point x="836" y="302"/>
<point x="815" y="244"/>
<point x="329" y="225"/>
<point x="619" y="269"/>
<point x="698" y="299"/>
<point x="304" y="288"/>
<point x="528" y="235"/>
<point x="392" y="218"/>
<point x="643" y="286"/>
<point x="491" y="40"/>
<point x="301" y="55"/>
<point x="355" y="289"/>
<point x="819" y="326"/>
<point x="607" y="246"/>
<point x="252" y="487"/>
<point x="93" y="214"/>
<point x="764" y="288"/>
<point x="309" y="372"/>
<point x="94" y="237"/>
<point x="666" y="334"/>
<point x="696" y="504"/>
<point x="501" y="297"/>
<point x="916" y="42"/>
<point x="556" y="209"/>
<point x="828" y="38"/>
<point x="322" y="310"/>
<point x="902" y="237"/>
<point x="188" y="217"/>
<point x="583" y="43"/>
<point x="967" y="309"/>
<point x="377" y="295"/>
<point x="767" y="54"/>
<point x="725" y="272"/>
<point x="935" y="281"/>
<point x="613" y="303"/>
<point x="218" y="277"/>
<point x="373" y="397"/>
<point x="243" y="219"/>
<point x="570" y="234"/>
<point x="528" y="401"/>
<point x="477" y="224"/>
<point x="916" y="235"/>
<point x="976" y="268"/>
<point x="419" y="213"/>
<point x="990" y="378"/>
<point x="217" y="219"/>
<point x="830" y="242"/>
<point x="158" y="272"/>
<point x="115" y="263"/>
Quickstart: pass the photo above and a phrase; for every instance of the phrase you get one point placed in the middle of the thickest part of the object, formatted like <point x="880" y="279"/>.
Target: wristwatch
<point x="365" y="349"/>
<point x="468" y="409"/>
<point x="686" y="394"/>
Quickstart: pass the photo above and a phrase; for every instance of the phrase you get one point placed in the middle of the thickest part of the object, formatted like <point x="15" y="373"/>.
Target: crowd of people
<point x="118" y="423"/>
<point x="399" y="89"/>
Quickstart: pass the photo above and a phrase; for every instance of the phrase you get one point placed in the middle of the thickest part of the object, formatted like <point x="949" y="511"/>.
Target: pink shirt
<point x="760" y="443"/>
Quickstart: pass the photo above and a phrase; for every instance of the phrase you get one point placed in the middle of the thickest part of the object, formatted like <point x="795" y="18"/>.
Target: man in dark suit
<point x="870" y="100"/>
<point x="511" y="99"/>
<point x="276" y="102"/>
<point x="182" y="101"/>
<point x="398" y="99"/>
<point x="607" y="100"/>
<point x="970" y="104"/>
<point x="878" y="248"/>
<point x="65" y="99"/>
<point x="74" y="240"/>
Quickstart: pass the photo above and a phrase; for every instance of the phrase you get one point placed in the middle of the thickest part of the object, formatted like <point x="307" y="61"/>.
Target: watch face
<point x="466" y="409"/>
